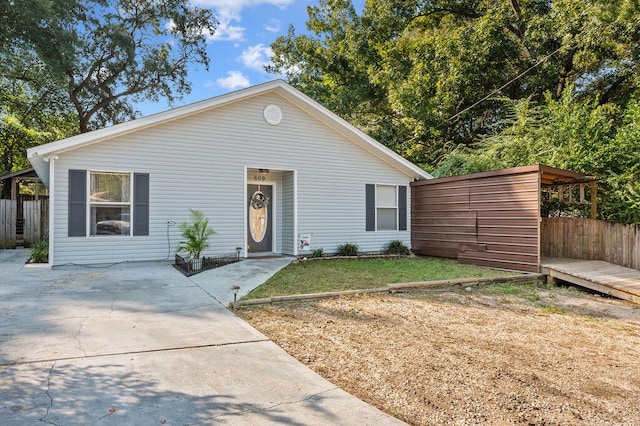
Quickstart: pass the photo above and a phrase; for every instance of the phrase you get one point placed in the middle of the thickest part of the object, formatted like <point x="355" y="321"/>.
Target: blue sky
<point x="240" y="47"/>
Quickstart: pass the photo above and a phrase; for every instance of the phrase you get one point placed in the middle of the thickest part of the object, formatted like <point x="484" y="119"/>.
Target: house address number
<point x="259" y="178"/>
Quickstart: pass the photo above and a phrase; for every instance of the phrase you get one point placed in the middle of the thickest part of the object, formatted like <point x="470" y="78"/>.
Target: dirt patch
<point x="475" y="356"/>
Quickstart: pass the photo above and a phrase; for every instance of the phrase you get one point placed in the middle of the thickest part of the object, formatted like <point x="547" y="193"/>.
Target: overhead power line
<point x="522" y="74"/>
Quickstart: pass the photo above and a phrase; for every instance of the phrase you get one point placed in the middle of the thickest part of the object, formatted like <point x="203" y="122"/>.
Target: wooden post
<point x="594" y="204"/>
<point x="14" y="188"/>
<point x="539" y="230"/>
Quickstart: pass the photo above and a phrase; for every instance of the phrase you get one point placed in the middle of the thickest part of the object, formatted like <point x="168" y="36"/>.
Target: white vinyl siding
<point x="199" y="162"/>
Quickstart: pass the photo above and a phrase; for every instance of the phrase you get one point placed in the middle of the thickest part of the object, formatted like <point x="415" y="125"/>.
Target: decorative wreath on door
<point x="259" y="200"/>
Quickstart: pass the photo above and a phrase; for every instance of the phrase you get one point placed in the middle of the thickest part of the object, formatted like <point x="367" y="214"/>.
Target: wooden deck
<point x="605" y="277"/>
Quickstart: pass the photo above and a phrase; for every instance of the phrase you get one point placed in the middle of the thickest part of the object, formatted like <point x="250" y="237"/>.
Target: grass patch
<point x="359" y="274"/>
<point x="551" y="309"/>
<point x="529" y="292"/>
<point x="506" y="288"/>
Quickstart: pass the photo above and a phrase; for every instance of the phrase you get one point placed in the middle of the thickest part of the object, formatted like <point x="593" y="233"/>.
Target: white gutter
<point x="295" y="212"/>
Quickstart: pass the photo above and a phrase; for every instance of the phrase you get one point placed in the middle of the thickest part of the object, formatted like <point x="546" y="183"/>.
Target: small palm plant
<point x="196" y="233"/>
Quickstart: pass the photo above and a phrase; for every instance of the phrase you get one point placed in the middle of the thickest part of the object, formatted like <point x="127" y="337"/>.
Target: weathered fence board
<point x="8" y="211"/>
<point x="35" y="214"/>
<point x="590" y="239"/>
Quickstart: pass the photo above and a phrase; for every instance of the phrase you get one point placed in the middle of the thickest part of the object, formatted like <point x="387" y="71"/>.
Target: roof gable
<point x="39" y="156"/>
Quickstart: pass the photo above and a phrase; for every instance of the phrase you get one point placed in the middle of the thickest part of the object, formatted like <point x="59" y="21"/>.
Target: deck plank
<point x="615" y="280"/>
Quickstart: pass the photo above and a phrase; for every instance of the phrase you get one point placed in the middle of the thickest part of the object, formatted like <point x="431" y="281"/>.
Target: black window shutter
<point x="140" y="204"/>
<point x="402" y="208"/>
<point x="77" y="203"/>
<point x="370" y="195"/>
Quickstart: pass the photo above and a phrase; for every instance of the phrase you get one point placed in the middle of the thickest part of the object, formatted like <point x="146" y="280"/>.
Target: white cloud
<point x="234" y="80"/>
<point x="228" y="13"/>
<point x="226" y="31"/>
<point x="257" y="56"/>
<point x="238" y="5"/>
<point x="273" y="26"/>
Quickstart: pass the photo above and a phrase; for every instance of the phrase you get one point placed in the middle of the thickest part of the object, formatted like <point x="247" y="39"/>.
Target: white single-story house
<point x="267" y="165"/>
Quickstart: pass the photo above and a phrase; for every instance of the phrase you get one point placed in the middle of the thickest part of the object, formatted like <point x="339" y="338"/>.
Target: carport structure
<point x="494" y="218"/>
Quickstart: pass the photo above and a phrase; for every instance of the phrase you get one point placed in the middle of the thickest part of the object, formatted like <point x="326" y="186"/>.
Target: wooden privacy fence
<point x="591" y="240"/>
<point x="8" y="216"/>
<point x="35" y="215"/>
<point x="36" y="220"/>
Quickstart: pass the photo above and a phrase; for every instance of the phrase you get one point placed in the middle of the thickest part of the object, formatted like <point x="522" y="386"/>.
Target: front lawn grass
<point x="359" y="274"/>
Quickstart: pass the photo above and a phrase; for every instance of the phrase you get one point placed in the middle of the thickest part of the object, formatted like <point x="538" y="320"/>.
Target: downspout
<point x="51" y="159"/>
<point x="295" y="213"/>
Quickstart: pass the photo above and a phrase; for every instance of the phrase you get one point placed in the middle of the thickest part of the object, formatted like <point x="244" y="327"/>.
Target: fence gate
<point x="8" y="216"/>
<point x="35" y="214"/>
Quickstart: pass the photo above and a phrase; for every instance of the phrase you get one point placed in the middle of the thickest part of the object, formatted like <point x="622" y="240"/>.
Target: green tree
<point x="569" y="133"/>
<point x="30" y="114"/>
<point x="107" y="54"/>
<point x="333" y="66"/>
<point x="419" y="66"/>
<point x="624" y="179"/>
<point x="69" y="66"/>
<point x="38" y="25"/>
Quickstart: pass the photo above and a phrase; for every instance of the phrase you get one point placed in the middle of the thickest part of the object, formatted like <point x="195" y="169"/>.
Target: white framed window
<point x="386" y="208"/>
<point x="110" y="203"/>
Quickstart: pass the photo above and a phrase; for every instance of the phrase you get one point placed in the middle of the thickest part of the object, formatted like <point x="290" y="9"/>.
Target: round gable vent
<point x="272" y="114"/>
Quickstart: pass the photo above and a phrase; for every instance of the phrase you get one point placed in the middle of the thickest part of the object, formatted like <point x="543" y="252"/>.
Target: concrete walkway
<point x="247" y="275"/>
<point x="142" y="344"/>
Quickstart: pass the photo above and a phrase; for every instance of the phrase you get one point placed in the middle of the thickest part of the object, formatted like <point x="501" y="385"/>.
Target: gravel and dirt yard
<point x="499" y="354"/>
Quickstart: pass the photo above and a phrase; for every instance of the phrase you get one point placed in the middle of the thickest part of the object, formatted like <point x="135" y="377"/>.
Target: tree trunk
<point x="83" y="119"/>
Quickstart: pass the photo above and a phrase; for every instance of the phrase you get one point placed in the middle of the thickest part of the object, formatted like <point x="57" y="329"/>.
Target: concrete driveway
<point x="142" y="344"/>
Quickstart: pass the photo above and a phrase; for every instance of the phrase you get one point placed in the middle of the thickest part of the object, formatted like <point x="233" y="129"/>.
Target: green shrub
<point x="196" y="234"/>
<point x="348" y="249"/>
<point x="319" y="252"/>
<point x="40" y="250"/>
<point x="397" y="247"/>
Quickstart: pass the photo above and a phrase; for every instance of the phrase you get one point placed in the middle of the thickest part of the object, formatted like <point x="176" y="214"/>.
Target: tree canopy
<point x="446" y="83"/>
<point x="79" y="65"/>
<point x="423" y="63"/>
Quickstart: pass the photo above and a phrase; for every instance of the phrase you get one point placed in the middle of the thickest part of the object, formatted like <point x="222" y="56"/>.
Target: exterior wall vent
<point x="272" y="114"/>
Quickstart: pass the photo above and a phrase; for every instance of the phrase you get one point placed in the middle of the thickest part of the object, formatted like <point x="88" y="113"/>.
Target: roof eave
<point x="37" y="155"/>
<point x="136" y="125"/>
